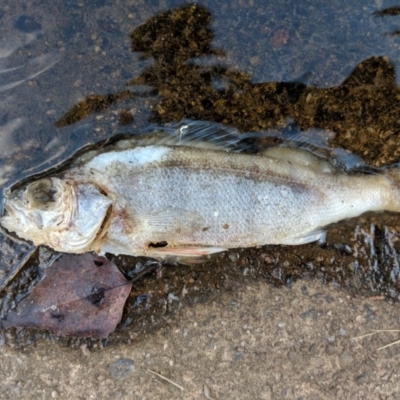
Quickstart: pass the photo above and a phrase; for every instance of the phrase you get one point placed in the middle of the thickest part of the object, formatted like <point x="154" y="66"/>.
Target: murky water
<point x="248" y="64"/>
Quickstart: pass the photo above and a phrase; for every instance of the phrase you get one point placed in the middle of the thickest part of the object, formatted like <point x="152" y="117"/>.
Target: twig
<point x="166" y="379"/>
<point x="380" y="331"/>
<point x="388" y="345"/>
<point x="375" y="332"/>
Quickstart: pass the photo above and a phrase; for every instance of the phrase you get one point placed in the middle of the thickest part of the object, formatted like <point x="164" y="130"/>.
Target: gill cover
<point x="57" y="213"/>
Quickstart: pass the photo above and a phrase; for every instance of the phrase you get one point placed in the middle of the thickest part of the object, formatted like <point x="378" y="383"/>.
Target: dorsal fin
<point x="189" y="133"/>
<point x="200" y="134"/>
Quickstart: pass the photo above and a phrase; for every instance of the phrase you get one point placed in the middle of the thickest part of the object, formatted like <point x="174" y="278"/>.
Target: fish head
<point x="56" y="212"/>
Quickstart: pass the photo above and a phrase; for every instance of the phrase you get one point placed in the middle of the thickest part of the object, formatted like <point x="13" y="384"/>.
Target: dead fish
<point x="194" y="192"/>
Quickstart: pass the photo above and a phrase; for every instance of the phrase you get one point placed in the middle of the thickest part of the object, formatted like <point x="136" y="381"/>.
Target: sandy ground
<point x="260" y="342"/>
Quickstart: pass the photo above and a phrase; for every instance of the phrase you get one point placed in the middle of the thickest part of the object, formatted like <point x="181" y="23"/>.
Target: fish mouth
<point x="10" y="204"/>
<point x="8" y="213"/>
<point x="20" y="224"/>
<point x="8" y="222"/>
<point x="5" y="212"/>
<point x="13" y="217"/>
<point x="9" y="219"/>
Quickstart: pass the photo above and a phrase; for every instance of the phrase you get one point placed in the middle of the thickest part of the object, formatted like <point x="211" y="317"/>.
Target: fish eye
<point x="42" y="194"/>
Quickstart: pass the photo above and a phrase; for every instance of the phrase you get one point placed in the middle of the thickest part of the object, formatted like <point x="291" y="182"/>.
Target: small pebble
<point x="342" y="332"/>
<point x="206" y="392"/>
<point x="346" y="359"/>
<point x="122" y="368"/>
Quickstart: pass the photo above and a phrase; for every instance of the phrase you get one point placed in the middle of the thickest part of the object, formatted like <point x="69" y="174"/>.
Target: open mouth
<point x="8" y="213"/>
<point x="12" y="216"/>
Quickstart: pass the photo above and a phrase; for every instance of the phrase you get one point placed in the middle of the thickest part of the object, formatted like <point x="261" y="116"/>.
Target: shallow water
<point x="250" y="65"/>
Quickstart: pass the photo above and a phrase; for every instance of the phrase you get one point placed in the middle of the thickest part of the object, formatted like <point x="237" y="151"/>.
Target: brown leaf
<point x="81" y="295"/>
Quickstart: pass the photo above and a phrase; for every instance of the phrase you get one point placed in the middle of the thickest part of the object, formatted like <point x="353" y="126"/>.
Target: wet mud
<point x="187" y="76"/>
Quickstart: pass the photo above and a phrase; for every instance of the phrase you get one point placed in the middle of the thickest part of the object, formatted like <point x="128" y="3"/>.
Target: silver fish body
<point x="165" y="200"/>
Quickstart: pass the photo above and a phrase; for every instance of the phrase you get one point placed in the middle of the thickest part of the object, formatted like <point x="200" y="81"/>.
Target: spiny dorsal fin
<point x="201" y="134"/>
<point x="189" y="133"/>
